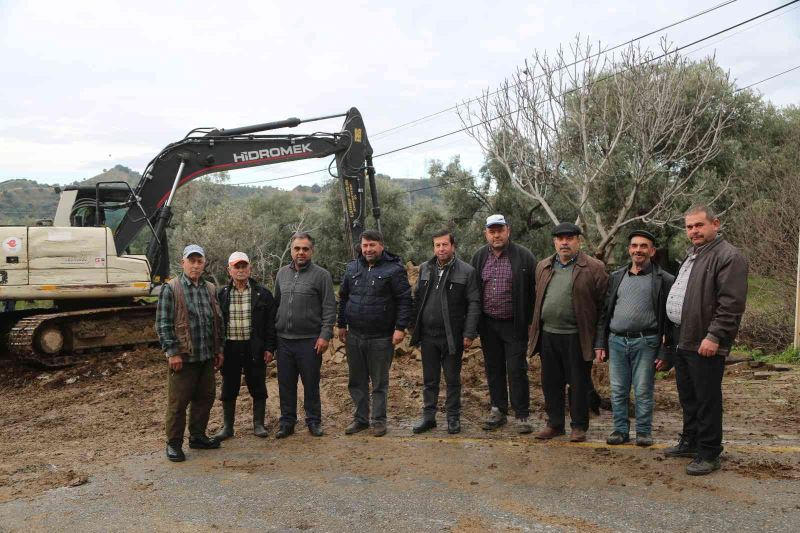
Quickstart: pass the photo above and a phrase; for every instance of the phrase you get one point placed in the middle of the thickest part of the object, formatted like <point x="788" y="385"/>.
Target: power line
<point x="769" y="78"/>
<point x="448" y="134"/>
<point x="444" y="184"/>
<point x="609" y="76"/>
<point x="592" y="56"/>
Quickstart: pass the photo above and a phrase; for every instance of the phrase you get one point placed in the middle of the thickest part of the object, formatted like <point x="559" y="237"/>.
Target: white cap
<point x="238" y="257"/>
<point x="496" y="220"/>
<point x="193" y="249"/>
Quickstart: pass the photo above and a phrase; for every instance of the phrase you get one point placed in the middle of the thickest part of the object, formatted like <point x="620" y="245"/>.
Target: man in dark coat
<point x="374" y="311"/>
<point x="705" y="306"/>
<point x="248" y="310"/>
<point x="447" y="307"/>
<point x="505" y="274"/>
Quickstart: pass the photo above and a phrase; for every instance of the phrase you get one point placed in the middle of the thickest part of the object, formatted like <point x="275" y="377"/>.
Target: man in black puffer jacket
<point x="374" y="311"/>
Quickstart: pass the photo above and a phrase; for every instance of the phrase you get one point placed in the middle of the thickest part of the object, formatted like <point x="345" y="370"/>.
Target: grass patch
<point x="764" y="293"/>
<point x="789" y="356"/>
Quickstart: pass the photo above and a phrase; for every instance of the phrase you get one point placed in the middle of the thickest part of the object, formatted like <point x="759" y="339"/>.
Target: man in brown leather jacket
<point x="570" y="288"/>
<point x="705" y="306"/>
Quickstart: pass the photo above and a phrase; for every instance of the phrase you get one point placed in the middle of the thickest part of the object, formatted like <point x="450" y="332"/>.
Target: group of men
<point x="565" y="308"/>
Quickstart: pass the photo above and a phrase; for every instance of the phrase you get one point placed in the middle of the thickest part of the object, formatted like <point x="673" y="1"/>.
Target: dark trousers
<point x="699" y="382"/>
<point x="563" y="364"/>
<point x="298" y="358"/>
<point x="369" y="360"/>
<point x="436" y="357"/>
<point x="504" y="358"/>
<point x="193" y="386"/>
<point x="239" y="358"/>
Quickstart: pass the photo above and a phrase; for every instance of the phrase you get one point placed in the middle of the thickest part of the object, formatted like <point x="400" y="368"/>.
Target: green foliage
<point x="331" y="250"/>
<point x="788" y="355"/>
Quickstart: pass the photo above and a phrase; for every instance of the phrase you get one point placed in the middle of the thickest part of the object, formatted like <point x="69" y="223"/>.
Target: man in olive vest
<point x="189" y="325"/>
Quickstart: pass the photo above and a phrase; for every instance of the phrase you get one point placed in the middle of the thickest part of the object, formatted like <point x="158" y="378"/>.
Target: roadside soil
<point x="62" y="427"/>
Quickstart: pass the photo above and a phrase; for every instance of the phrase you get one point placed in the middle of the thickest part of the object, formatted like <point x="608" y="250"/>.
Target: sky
<point x="88" y="85"/>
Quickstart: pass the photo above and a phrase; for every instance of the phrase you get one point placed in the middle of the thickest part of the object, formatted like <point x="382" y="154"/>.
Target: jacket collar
<point x="580" y="260"/>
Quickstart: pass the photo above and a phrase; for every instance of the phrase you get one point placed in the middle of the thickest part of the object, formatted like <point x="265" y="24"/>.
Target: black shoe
<point x="203" y="443"/>
<point x="684" y="448"/>
<point x="378" y="429"/>
<point x="284" y="431"/>
<point x="175" y="453"/>
<point x="453" y="426"/>
<point x="618" y="438"/>
<point x="644" y="440"/>
<point x="426" y="424"/>
<point x="702" y="467"/>
<point x="315" y="429"/>
<point x="355" y="426"/>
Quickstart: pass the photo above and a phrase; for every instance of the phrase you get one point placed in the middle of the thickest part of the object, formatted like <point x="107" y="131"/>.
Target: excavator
<point x="87" y="269"/>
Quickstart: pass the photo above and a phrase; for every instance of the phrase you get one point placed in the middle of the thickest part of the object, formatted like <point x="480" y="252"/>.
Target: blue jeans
<point x="632" y="362"/>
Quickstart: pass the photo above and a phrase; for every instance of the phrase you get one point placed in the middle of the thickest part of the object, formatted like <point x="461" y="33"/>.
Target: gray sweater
<point x="306" y="303"/>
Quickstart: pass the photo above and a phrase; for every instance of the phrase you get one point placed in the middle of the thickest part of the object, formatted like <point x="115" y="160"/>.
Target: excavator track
<point x="56" y="340"/>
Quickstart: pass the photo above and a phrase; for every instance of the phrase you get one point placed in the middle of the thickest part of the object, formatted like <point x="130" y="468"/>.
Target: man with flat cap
<point x="570" y="287"/>
<point x="633" y="322"/>
<point x="189" y="326"/>
<point x="504" y="272"/>
<point x="248" y="311"/>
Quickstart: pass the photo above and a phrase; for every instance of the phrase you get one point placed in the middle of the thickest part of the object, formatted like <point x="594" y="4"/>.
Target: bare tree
<point x="602" y="132"/>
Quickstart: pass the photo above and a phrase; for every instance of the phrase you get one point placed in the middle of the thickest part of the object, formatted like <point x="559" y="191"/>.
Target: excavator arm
<point x="207" y="151"/>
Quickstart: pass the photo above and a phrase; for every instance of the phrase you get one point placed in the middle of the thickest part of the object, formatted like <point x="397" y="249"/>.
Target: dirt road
<point x="94" y="434"/>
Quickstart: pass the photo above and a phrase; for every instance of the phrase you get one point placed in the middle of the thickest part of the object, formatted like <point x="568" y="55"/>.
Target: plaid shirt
<point x="201" y="321"/>
<point x="497" y="296"/>
<point x="239" y="318"/>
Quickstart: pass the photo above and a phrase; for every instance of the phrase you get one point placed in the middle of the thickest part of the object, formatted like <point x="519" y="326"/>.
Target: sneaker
<point x="495" y="420"/>
<point x="522" y="426"/>
<point x="702" y="467"/>
<point x="617" y="437"/>
<point x="684" y="448"/>
<point x="644" y="440"/>
<point x="378" y="429"/>
<point x="550" y="433"/>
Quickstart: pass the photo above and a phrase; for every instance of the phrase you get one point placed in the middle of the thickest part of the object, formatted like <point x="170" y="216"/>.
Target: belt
<point x="635" y="334"/>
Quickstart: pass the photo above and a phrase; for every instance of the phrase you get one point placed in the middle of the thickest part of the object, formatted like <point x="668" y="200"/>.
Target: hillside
<point x="24" y="201"/>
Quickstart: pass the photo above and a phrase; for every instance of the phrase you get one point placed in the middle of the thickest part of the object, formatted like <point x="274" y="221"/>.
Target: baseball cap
<point x="193" y="249"/>
<point x="238" y="257"/>
<point x="496" y="220"/>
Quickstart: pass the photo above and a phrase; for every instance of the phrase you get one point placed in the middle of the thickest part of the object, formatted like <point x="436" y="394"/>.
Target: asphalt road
<point x="404" y="483"/>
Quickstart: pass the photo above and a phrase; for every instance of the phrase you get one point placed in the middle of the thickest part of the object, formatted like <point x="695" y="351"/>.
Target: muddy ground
<point x="62" y="428"/>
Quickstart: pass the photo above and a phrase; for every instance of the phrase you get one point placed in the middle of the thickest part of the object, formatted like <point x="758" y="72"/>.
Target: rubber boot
<point x="259" y="410"/>
<point x="228" y="416"/>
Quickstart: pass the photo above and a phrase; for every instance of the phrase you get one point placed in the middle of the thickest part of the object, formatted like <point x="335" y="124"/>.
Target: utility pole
<point x="797" y="300"/>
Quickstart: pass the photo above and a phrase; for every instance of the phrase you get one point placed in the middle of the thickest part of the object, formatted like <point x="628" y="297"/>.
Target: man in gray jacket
<point x="304" y="322"/>
<point x="705" y="306"/>
<point x="447" y="307"/>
